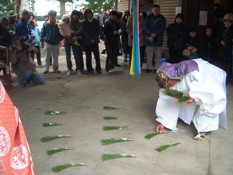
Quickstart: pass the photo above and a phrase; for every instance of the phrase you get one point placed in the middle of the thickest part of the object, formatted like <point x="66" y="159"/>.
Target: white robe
<point x="207" y="88"/>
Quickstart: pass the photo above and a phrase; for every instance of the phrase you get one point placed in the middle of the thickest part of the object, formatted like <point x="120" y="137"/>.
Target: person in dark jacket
<point x="23" y="26"/>
<point x="176" y="36"/>
<point x="194" y="43"/>
<point x="111" y="31"/>
<point x="5" y="38"/>
<point x="210" y="46"/>
<point x="51" y="35"/>
<point x="91" y="32"/>
<point x="224" y="39"/>
<point x="124" y="35"/>
<point x="154" y="26"/>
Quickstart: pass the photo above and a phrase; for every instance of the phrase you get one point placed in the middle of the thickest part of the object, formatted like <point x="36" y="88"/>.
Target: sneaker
<point x="46" y="72"/>
<point x="70" y="72"/>
<point x="111" y="70"/>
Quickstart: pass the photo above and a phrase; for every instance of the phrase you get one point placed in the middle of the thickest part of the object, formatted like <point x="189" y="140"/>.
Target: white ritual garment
<point x="207" y="88"/>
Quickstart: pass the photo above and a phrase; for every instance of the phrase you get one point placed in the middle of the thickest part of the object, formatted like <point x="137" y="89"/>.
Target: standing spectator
<point x="194" y="43"/>
<point x="46" y="18"/>
<point x="22" y="63"/>
<point x="23" y="27"/>
<point x="210" y="46"/>
<point x="76" y="26"/>
<point x="101" y="21"/>
<point x="91" y="31"/>
<point x="111" y="32"/>
<point x="52" y="37"/>
<point x="124" y="35"/>
<point x="5" y="38"/>
<point x="224" y="39"/>
<point x="176" y="36"/>
<point x="141" y="37"/>
<point x="155" y="25"/>
<point x="71" y="41"/>
<point x="36" y="42"/>
<point x="13" y="20"/>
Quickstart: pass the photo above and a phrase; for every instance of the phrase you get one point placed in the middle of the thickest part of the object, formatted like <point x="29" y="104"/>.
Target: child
<point x="22" y="64"/>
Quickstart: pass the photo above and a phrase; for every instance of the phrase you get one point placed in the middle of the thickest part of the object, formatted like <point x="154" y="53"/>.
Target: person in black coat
<point x="111" y="32"/>
<point x="224" y="39"/>
<point x="210" y="46"/>
<point x="91" y="32"/>
<point x="5" y="38"/>
<point x="176" y="36"/>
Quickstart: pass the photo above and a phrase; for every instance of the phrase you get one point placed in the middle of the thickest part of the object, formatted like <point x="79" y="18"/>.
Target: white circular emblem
<point x="19" y="157"/>
<point x="4" y="141"/>
<point x="2" y="93"/>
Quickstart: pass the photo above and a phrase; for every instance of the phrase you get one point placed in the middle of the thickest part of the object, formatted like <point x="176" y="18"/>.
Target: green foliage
<point x="164" y="147"/>
<point x="49" y="138"/>
<point x="108" y="128"/>
<point x="57" y="150"/>
<point x="114" y="140"/>
<point x="116" y="156"/>
<point x="176" y="94"/>
<point x="149" y="136"/>
<point x="59" y="168"/>
<point x="5" y="6"/>
<point x="111" y="108"/>
<point x="110" y="118"/>
<point x="95" y="5"/>
<point x="51" y="124"/>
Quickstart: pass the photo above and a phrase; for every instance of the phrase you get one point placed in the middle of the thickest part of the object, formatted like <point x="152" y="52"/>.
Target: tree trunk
<point x="17" y="4"/>
<point x="62" y="7"/>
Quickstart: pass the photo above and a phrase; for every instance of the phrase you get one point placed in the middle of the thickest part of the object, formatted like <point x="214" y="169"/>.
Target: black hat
<point x="113" y="12"/>
<point x="179" y="15"/>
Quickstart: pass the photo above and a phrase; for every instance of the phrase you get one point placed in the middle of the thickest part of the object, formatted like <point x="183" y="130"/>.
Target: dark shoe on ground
<point x="117" y="65"/>
<point x="56" y="71"/>
<point x="46" y="72"/>
<point x="148" y="71"/>
<point x="90" y="73"/>
<point x="99" y="71"/>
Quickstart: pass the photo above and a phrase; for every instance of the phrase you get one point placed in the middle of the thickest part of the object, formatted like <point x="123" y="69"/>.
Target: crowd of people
<point x="82" y="32"/>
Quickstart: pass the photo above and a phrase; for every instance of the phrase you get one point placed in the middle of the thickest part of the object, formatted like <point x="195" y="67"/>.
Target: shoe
<point x="90" y="73"/>
<point x="117" y="65"/>
<point x="148" y="71"/>
<point x="56" y="71"/>
<point x="200" y="136"/>
<point x="99" y="71"/>
<point x="46" y="72"/>
<point x="70" y="72"/>
<point x="111" y="70"/>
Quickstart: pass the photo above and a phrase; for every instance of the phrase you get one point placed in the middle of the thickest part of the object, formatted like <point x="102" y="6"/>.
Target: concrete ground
<point x="82" y="99"/>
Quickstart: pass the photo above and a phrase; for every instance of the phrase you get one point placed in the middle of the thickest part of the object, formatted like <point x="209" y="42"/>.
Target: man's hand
<point x="190" y="100"/>
<point x="160" y="128"/>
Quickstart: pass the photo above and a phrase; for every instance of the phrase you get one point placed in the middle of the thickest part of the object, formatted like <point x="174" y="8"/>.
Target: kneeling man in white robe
<point x="205" y="86"/>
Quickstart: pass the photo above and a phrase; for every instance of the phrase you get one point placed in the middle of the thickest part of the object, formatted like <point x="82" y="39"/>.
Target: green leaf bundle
<point x="116" y="156"/>
<point x="176" y="94"/>
<point x="49" y="138"/>
<point x="109" y="128"/>
<point x="51" y="124"/>
<point x="110" y="118"/>
<point x="53" y="112"/>
<point x="114" y="140"/>
<point x="57" y="150"/>
<point x="59" y="168"/>
<point x="164" y="147"/>
<point x="111" y="108"/>
<point x="149" y="136"/>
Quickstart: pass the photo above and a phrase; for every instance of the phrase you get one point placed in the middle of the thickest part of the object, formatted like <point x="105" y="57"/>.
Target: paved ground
<point x="83" y="98"/>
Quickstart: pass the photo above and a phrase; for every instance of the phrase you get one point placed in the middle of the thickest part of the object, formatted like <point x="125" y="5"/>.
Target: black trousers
<point x="112" y="51"/>
<point x="88" y="50"/>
